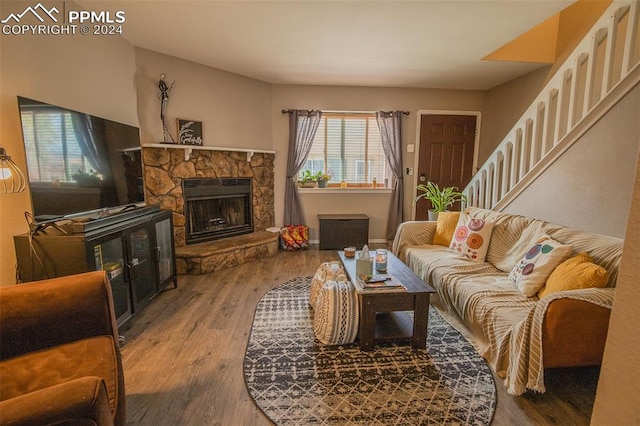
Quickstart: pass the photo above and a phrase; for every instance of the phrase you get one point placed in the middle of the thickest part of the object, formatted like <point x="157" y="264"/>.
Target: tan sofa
<point x="60" y="359"/>
<point x="519" y="336"/>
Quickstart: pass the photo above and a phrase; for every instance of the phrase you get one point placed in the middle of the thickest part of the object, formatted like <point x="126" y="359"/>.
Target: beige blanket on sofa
<point x="506" y="325"/>
<point x="526" y="369"/>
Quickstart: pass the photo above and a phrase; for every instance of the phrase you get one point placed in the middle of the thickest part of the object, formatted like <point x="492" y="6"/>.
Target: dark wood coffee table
<point x="378" y="318"/>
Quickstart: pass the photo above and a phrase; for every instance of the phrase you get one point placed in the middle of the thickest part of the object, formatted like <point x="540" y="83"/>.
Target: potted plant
<point x="441" y="198"/>
<point x="90" y="179"/>
<point x="323" y="179"/>
<point x="307" y="179"/>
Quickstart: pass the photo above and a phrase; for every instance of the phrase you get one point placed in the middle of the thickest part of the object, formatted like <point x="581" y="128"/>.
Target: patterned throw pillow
<point x="446" y="226"/>
<point x="575" y="273"/>
<point x="471" y="237"/>
<point x="532" y="271"/>
<point x="335" y="319"/>
<point x="327" y="271"/>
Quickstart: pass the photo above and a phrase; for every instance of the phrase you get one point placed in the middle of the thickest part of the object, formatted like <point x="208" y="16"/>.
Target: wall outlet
<point x="409" y="171"/>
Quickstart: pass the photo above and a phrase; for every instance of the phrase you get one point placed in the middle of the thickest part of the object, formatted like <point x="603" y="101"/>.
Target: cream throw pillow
<point x="446" y="226"/>
<point x="532" y="271"/>
<point x="575" y="273"/>
<point x="471" y="237"/>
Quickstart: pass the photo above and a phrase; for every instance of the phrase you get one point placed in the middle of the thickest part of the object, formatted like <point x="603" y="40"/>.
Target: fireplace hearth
<point x="217" y="208"/>
<point x="166" y="168"/>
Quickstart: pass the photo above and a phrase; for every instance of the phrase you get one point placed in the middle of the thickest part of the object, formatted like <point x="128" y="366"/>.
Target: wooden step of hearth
<point x="202" y="258"/>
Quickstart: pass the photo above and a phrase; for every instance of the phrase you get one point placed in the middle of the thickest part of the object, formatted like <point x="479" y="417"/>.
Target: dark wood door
<point x="446" y="153"/>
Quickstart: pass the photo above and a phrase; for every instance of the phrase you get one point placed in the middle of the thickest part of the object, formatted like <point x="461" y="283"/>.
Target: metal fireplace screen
<point x="217" y="208"/>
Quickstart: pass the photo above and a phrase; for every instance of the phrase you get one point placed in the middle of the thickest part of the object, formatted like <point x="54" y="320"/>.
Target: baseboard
<point x="375" y="241"/>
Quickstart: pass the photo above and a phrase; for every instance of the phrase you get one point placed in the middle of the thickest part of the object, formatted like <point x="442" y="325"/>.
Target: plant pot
<point x="322" y="183"/>
<point x="308" y="184"/>
<point x="433" y="216"/>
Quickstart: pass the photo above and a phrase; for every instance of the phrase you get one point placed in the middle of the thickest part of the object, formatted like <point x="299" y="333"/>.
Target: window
<point x="350" y="147"/>
<point x="52" y="150"/>
<point x="314" y="166"/>
<point x="362" y="171"/>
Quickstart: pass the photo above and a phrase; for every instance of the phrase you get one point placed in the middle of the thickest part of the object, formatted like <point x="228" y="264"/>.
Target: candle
<point x="381" y="260"/>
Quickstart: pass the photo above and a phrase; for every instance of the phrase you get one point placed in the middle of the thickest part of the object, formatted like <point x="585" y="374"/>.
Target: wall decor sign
<point x="189" y="132"/>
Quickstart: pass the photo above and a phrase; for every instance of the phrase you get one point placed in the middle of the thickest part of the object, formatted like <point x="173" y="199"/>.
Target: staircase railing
<point x="599" y="72"/>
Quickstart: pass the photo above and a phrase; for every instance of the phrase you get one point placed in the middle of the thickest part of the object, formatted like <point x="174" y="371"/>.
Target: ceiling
<point x="417" y="44"/>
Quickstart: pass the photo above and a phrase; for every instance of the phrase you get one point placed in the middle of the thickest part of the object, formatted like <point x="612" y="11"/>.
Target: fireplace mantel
<point x="188" y="149"/>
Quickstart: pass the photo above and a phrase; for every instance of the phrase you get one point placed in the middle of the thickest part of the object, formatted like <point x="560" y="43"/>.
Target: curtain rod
<point x="289" y="111"/>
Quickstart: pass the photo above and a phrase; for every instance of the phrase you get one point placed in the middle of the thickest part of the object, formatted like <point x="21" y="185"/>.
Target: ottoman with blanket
<point x="335" y="304"/>
<point x="531" y="294"/>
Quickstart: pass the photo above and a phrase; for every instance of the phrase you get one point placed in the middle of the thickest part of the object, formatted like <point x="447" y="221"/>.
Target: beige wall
<point x="235" y="111"/>
<point x="374" y="204"/>
<point x="96" y="75"/>
<point x="618" y="394"/>
<point x="504" y="106"/>
<point x="359" y="99"/>
<point x="93" y="74"/>
<point x="590" y="186"/>
<point x="108" y="77"/>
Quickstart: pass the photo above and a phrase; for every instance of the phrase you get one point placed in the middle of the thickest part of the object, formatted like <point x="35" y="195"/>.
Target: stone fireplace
<point x="216" y="208"/>
<point x="170" y="176"/>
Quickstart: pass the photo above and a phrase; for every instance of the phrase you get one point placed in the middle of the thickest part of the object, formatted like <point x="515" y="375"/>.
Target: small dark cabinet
<point x="338" y="231"/>
<point x="137" y="253"/>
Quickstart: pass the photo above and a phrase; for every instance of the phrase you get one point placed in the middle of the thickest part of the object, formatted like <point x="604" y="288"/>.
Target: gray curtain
<point x="390" y="125"/>
<point x="302" y="128"/>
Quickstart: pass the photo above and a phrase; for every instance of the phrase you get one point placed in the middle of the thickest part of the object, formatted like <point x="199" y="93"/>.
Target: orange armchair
<point x="60" y="359"/>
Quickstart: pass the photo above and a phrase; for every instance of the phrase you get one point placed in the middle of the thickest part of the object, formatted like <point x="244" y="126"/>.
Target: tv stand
<point x="90" y="221"/>
<point x="134" y="247"/>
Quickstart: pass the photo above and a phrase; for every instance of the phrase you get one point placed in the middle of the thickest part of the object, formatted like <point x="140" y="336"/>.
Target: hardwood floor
<point x="183" y="354"/>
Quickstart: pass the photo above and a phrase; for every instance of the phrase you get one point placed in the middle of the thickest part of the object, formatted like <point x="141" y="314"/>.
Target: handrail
<point x="599" y="72"/>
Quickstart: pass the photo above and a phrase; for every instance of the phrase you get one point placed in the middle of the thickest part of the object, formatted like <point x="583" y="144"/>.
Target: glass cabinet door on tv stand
<point x="109" y="257"/>
<point x="140" y="269"/>
<point x="165" y="257"/>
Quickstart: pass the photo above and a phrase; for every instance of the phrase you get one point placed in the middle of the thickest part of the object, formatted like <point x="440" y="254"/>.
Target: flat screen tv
<point x="78" y="163"/>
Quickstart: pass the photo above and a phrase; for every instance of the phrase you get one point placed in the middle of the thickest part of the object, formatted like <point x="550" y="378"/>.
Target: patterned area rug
<point x="297" y="381"/>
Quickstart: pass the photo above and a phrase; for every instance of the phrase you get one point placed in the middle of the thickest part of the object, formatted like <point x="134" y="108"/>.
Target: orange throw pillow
<point x="445" y="228"/>
<point x="575" y="273"/>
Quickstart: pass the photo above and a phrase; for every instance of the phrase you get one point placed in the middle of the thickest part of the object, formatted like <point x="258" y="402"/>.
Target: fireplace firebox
<point x="217" y="208"/>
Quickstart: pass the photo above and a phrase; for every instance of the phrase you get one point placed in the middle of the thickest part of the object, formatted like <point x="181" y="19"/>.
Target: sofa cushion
<point x="471" y="237"/>
<point x="335" y="319"/>
<point x="575" y="273"/>
<point x="94" y="356"/>
<point x="446" y="226"/>
<point x="490" y="305"/>
<point x="532" y="271"/>
<point x="435" y="263"/>
<point x="82" y="401"/>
